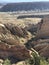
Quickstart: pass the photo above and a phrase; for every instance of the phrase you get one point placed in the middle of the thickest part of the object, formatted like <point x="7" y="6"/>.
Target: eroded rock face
<point x="37" y="42"/>
<point x="3" y="29"/>
<point x="12" y="34"/>
<point x="10" y="46"/>
<point x="11" y="41"/>
<point x="43" y="32"/>
<point x="41" y="43"/>
<point x="18" y="52"/>
<point x="43" y="49"/>
<point x="15" y="30"/>
<point x="41" y="46"/>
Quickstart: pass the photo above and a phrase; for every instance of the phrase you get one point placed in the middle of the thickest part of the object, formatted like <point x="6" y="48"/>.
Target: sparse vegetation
<point x="7" y="62"/>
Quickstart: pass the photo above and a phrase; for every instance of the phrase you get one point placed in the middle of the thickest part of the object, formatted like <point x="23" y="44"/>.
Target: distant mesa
<point x="26" y="6"/>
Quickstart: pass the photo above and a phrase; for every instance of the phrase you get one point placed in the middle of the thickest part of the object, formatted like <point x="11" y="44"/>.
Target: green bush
<point x="43" y="61"/>
<point x="7" y="62"/>
<point x="35" y="60"/>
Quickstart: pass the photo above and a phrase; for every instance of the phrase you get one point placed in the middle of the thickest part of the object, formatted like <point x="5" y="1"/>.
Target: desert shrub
<point x="29" y="61"/>
<point x="7" y="62"/>
<point x="43" y="61"/>
<point x="35" y="60"/>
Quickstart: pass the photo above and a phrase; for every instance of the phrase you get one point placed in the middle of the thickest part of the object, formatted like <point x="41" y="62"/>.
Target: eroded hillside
<point x="23" y="41"/>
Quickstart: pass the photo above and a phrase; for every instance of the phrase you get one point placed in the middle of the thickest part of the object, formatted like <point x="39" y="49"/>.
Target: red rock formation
<point x="18" y="52"/>
<point x="42" y="49"/>
<point x="43" y="32"/>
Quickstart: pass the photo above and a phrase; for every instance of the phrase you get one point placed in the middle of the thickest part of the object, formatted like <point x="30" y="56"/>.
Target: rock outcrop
<point x="15" y="30"/>
<point x="41" y="40"/>
<point x="10" y="46"/>
<point x="43" y="49"/>
<point x="43" y="32"/>
<point x="18" y="52"/>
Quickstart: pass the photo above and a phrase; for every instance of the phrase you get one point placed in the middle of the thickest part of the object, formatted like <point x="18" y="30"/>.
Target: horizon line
<point x="25" y="2"/>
